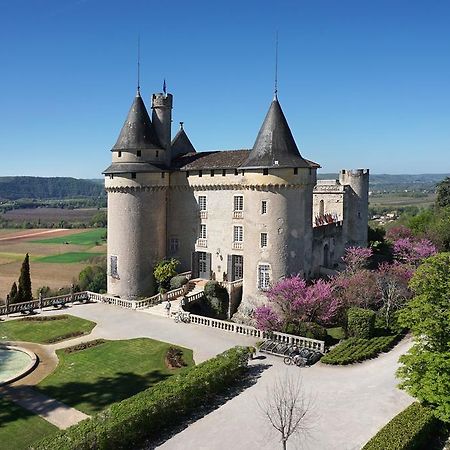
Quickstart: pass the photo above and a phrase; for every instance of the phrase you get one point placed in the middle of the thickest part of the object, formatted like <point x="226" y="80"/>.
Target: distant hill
<point x="387" y="182"/>
<point x="15" y="188"/>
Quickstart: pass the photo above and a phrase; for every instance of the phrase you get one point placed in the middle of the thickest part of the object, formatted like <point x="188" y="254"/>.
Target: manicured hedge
<point x="353" y="350"/>
<point x="411" y="429"/>
<point x="360" y="323"/>
<point x="178" y="281"/>
<point x="127" y="424"/>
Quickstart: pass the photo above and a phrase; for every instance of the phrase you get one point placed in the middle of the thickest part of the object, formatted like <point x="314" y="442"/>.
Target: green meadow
<point x="88" y="238"/>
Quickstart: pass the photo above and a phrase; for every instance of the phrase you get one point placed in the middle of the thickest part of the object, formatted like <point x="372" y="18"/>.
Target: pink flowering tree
<point x="398" y="232"/>
<point x="411" y="251"/>
<point x="267" y="319"/>
<point x="392" y="282"/>
<point x="356" y="258"/>
<point x="292" y="301"/>
<point x="358" y="288"/>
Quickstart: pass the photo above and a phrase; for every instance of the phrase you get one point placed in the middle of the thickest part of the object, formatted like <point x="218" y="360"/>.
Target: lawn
<point x="44" y="330"/>
<point x="94" y="378"/>
<point x="68" y="258"/>
<point x="19" y="427"/>
<point x="89" y="238"/>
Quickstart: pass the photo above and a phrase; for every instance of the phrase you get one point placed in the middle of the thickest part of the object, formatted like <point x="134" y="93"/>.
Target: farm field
<point x="395" y="200"/>
<point x="50" y="214"/>
<point x="56" y="263"/>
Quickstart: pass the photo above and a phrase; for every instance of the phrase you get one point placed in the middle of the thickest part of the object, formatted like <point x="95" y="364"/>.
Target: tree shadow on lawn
<point x="250" y="378"/>
<point x="10" y="412"/>
<point x="94" y="397"/>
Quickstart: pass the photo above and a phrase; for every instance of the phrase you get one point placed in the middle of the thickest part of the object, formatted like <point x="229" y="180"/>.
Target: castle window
<point x="263" y="276"/>
<point x="133" y="174"/>
<point x="157" y="153"/>
<point x="264" y="207"/>
<point x="236" y="172"/>
<point x="296" y="171"/>
<point x="202" y="231"/>
<point x="163" y="174"/>
<point x="202" y="202"/>
<point x="263" y="240"/>
<point x="187" y="173"/>
<point x="200" y="173"/>
<point x="119" y="154"/>
<point x="174" y="245"/>
<point x="212" y="173"/>
<point x="138" y="153"/>
<point x="238" y="203"/>
<point x="113" y="267"/>
<point x="238" y="233"/>
<point x="224" y="172"/>
<point x="265" y="171"/>
<point x="111" y="176"/>
<point x="321" y="208"/>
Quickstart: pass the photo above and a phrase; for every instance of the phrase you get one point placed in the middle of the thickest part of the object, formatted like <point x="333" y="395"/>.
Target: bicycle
<point x="294" y="359"/>
<point x="181" y="316"/>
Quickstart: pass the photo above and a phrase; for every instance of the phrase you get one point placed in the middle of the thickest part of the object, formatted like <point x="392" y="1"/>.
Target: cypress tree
<point x="24" y="293"/>
<point x="13" y="293"/>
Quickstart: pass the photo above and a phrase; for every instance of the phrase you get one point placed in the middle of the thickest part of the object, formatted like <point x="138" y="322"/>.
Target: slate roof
<point x="225" y="159"/>
<point x="275" y="146"/>
<point x="137" y="132"/>
<point x="181" y="144"/>
<point x="133" y="167"/>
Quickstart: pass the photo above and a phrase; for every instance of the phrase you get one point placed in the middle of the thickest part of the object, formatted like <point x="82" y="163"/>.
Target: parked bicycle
<point x="181" y="316"/>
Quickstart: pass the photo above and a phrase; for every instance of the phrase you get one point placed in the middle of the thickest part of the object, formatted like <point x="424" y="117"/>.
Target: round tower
<point x="279" y="186"/>
<point x="356" y="206"/>
<point x="162" y="104"/>
<point x="136" y="189"/>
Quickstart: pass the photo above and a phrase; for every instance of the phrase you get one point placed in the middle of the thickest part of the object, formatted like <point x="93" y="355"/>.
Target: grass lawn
<point x="45" y="331"/>
<point x="89" y="238"/>
<point x="68" y="258"/>
<point x="19" y="428"/>
<point x="94" y="378"/>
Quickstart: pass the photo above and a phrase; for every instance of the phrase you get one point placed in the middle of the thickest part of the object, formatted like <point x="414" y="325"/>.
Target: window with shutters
<point x="202" y="231"/>
<point x="263" y="240"/>
<point x="264" y="207"/>
<point x="238" y="233"/>
<point x="202" y="202"/>
<point x="238" y="203"/>
<point x="263" y="276"/>
<point x="174" y="245"/>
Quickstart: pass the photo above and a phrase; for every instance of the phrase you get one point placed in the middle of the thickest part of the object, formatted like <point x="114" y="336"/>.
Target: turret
<point x="136" y="186"/>
<point x="356" y="206"/>
<point x="162" y="121"/>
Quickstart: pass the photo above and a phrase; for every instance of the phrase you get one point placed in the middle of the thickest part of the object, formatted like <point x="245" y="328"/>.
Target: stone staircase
<point x="194" y="286"/>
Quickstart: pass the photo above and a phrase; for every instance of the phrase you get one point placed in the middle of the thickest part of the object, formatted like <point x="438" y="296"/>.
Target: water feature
<point x="15" y="362"/>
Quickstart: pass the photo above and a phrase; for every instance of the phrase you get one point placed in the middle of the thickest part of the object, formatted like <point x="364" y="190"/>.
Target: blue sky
<point x="362" y="83"/>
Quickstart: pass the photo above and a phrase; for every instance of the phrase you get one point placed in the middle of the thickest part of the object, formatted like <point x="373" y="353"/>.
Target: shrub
<point x="127" y="424"/>
<point x="307" y="329"/>
<point x="174" y="358"/>
<point x="178" y="281"/>
<point x="84" y="346"/>
<point x="409" y="430"/>
<point x="360" y="323"/>
<point x="216" y="299"/>
<point x="354" y="350"/>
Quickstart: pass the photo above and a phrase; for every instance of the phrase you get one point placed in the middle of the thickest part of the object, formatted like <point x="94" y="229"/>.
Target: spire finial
<point x="181" y="125"/>
<point x="139" y="64"/>
<point x="276" y="67"/>
<point x="164" y="87"/>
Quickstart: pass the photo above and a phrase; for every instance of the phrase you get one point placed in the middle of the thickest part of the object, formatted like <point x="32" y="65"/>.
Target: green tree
<point x="93" y="278"/>
<point x="24" y="293"/>
<point x="443" y="193"/>
<point x="164" y="271"/>
<point x="425" y="372"/>
<point x="13" y="293"/>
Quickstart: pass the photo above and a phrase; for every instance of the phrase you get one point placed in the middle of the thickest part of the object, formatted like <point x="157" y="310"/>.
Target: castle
<point x="256" y="215"/>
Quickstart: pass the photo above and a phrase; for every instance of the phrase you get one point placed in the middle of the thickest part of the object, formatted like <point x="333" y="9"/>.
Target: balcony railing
<point x="238" y="214"/>
<point x="203" y="214"/>
<point x="237" y="245"/>
<point x="202" y="243"/>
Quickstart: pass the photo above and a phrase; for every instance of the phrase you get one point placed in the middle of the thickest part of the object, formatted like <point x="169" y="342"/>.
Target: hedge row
<point x="355" y="349"/>
<point x="127" y="424"/>
<point x="360" y="323"/>
<point x="411" y="429"/>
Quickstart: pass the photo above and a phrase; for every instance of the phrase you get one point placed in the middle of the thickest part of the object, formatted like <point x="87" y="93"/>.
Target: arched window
<point x="321" y="208"/>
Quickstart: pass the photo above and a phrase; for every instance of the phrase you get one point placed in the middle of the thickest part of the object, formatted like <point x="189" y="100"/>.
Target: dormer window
<point x="200" y="173"/>
<point x="212" y="173"/>
<point x="138" y="153"/>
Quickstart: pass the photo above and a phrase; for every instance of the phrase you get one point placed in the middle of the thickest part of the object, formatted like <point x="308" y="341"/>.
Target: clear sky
<point x="363" y="83"/>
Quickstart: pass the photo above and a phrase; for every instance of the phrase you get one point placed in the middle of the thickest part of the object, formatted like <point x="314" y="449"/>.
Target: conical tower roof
<point x="137" y="132"/>
<point x="274" y="145"/>
<point x="181" y="144"/>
